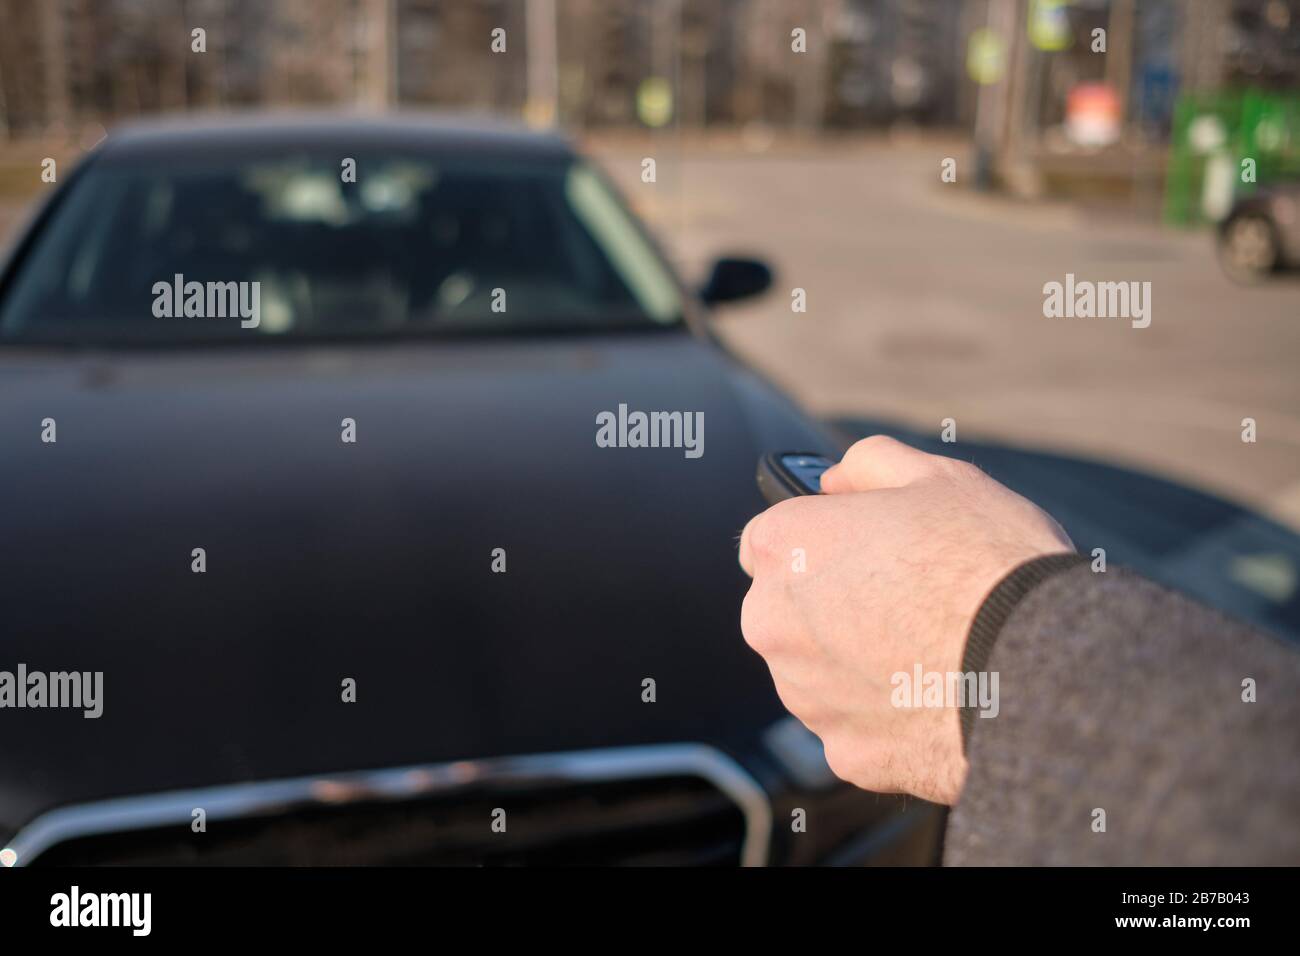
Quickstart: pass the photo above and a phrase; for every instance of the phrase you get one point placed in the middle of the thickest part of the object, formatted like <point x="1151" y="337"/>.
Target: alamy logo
<point x="38" y="689"/>
<point x="951" y="689"/>
<point x="1101" y="300"/>
<point x="651" y="430"/>
<point x="75" y="908"/>
<point x="208" y="300"/>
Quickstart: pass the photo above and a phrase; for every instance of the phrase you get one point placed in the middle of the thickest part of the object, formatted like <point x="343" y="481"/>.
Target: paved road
<point x="925" y="302"/>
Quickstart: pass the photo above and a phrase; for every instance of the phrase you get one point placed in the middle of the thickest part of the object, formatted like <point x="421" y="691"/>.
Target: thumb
<point x="874" y="463"/>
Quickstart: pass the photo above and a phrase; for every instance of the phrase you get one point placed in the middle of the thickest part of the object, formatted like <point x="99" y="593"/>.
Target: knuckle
<point x="785" y="695"/>
<point x="799" y="702"/>
<point x="839" y="759"/>
<point x="768" y="531"/>
<point x="756" y="624"/>
<point x="871" y="445"/>
<point x="760" y="535"/>
<point x="961" y="470"/>
<point x="954" y="466"/>
<point x="881" y="441"/>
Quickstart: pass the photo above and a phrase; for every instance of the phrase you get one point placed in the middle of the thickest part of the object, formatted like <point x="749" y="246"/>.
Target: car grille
<point x="590" y="808"/>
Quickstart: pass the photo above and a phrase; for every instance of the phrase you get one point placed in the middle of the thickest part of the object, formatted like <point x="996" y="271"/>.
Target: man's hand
<point x="899" y="554"/>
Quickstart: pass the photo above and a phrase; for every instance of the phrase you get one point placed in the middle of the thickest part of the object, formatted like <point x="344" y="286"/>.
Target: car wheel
<point x="1248" y="248"/>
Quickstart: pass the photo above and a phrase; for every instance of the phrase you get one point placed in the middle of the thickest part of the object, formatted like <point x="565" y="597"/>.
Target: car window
<point x="306" y="245"/>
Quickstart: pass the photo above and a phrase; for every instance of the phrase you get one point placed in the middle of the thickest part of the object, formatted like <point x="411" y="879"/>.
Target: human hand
<point x="899" y="554"/>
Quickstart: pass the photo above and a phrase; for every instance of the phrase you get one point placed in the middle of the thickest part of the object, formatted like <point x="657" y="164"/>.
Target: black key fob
<point x="784" y="474"/>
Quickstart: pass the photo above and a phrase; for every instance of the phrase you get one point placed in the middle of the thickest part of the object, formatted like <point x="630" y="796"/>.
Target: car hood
<point x="373" y="560"/>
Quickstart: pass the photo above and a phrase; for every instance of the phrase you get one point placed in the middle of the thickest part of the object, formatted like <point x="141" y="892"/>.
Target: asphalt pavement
<point x="925" y="302"/>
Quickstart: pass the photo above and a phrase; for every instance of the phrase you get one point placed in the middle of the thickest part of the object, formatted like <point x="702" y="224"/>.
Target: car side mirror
<point x="733" y="279"/>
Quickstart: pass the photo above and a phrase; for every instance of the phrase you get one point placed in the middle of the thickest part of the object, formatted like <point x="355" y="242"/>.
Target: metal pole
<point x="56" y="71"/>
<point x="542" y="107"/>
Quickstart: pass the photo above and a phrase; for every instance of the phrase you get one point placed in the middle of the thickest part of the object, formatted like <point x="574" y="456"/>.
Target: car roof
<point x="270" y="132"/>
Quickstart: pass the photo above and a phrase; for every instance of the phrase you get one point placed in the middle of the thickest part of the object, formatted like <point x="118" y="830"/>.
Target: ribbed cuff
<point x="995" y="610"/>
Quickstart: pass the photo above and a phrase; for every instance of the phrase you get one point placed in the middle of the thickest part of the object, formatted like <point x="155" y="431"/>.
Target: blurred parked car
<point x="1261" y="233"/>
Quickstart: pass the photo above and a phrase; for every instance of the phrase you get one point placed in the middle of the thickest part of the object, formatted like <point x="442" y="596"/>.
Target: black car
<point x="320" y="444"/>
<point x="1261" y="233"/>
<point x="364" y="582"/>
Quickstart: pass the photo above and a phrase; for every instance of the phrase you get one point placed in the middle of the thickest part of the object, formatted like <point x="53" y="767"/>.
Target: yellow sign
<point x="1049" y="25"/>
<point x="986" y="57"/>
<point x="654" y="101"/>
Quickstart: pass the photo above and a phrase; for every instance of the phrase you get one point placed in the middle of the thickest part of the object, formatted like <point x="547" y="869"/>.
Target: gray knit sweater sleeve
<point x="1121" y="705"/>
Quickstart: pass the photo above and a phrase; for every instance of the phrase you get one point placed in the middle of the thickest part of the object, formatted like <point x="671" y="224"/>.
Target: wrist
<point x="997" y="608"/>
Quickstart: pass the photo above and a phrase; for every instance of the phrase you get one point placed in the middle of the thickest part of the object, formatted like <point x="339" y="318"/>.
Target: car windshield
<point x="311" y="245"/>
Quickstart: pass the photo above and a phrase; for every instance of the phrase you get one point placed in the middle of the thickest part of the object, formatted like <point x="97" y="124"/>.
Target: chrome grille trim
<point x="264" y="798"/>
